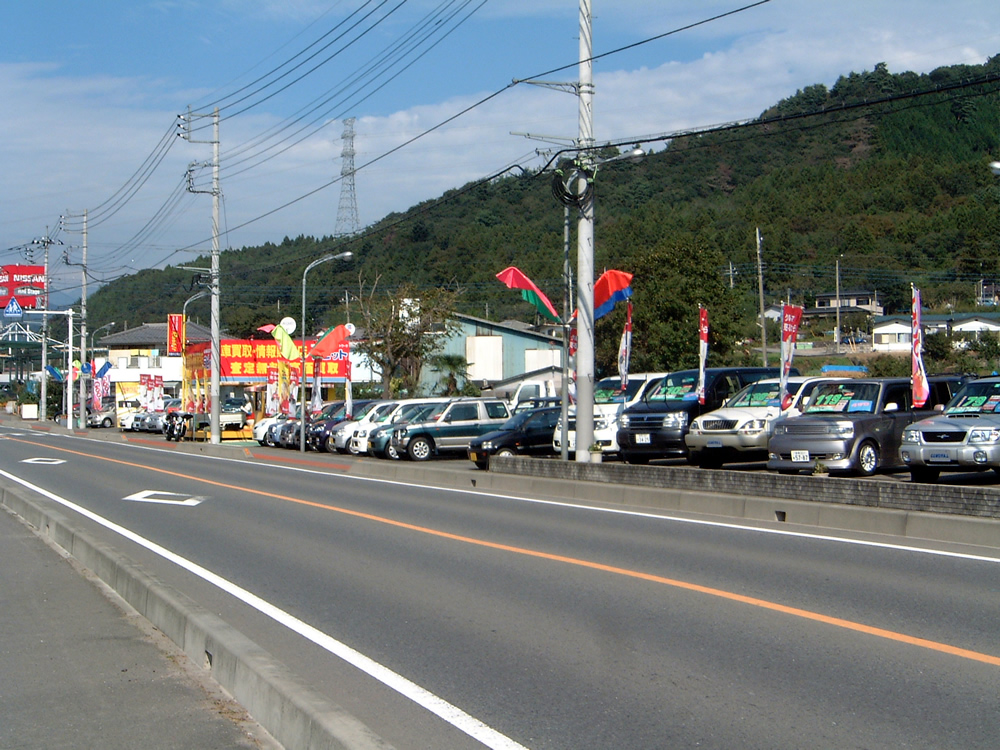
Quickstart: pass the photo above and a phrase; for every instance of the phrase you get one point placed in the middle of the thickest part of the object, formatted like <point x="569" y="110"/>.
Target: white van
<point x="609" y="403"/>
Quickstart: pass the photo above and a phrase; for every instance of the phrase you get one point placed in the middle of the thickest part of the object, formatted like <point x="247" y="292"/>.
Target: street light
<point x="302" y="373"/>
<point x="96" y="331"/>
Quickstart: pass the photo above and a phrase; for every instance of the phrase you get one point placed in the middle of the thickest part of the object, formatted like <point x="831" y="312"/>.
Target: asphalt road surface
<point x="455" y="619"/>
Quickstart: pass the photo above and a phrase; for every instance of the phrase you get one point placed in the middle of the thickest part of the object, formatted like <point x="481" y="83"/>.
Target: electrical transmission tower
<point x="347" y="212"/>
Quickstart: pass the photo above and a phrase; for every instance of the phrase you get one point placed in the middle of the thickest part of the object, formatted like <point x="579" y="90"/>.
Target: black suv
<point x="655" y="427"/>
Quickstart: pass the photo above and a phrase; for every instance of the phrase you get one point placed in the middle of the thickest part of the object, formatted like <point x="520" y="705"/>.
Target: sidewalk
<point x="79" y="671"/>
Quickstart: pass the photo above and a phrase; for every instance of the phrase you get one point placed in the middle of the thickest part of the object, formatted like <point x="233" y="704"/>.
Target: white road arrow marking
<point x="165" y="498"/>
<point x="44" y="461"/>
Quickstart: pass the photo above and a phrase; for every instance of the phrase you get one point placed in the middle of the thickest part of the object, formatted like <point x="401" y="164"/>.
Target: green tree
<point x="403" y="329"/>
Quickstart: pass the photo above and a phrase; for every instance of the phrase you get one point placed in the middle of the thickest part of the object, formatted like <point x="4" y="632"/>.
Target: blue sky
<point x="89" y="90"/>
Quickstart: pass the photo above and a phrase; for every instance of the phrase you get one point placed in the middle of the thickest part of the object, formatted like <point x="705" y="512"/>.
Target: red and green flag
<point x="514" y="278"/>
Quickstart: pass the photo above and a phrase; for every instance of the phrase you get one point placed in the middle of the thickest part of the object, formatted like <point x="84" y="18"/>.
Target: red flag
<point x="918" y="375"/>
<point x="331" y="340"/>
<point x="702" y="351"/>
<point x="514" y="278"/>
<point x="791" y="317"/>
<point x="612" y="287"/>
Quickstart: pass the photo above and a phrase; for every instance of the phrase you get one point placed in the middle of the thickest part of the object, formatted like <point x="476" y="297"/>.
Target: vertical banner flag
<point x="316" y="404"/>
<point x="175" y="335"/>
<point x="625" y="348"/>
<point x="348" y="399"/>
<point x="702" y="351"/>
<point x="791" y="317"/>
<point x="918" y="375"/>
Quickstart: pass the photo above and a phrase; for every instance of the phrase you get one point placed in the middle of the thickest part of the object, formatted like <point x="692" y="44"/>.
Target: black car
<point x="655" y="426"/>
<point x="526" y="433"/>
<point x="319" y="432"/>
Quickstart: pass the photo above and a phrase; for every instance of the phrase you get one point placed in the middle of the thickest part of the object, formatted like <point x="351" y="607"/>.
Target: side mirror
<point x="891" y="406"/>
<point x="939" y="407"/>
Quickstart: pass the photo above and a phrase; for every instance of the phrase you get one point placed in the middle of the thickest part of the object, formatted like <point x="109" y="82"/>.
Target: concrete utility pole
<point x="43" y="394"/>
<point x="585" y="250"/>
<point x="760" y="287"/>
<point x="215" y="408"/>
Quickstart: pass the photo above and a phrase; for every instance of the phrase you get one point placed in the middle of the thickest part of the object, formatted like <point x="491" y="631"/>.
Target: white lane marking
<point x="165" y="498"/>
<point x="44" y="461"/>
<point x="422" y="697"/>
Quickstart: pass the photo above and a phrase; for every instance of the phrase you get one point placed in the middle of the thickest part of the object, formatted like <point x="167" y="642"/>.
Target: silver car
<point x="964" y="437"/>
<point x="740" y="430"/>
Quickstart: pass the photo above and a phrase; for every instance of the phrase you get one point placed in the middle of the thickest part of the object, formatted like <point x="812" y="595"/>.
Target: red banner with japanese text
<point x="791" y="318"/>
<point x="175" y="335"/>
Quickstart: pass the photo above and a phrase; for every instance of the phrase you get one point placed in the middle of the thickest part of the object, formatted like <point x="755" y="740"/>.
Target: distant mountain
<point x="886" y="173"/>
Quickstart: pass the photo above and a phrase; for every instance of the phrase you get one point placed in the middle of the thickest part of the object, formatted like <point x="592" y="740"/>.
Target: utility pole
<point x="43" y="395"/>
<point x="82" y="415"/>
<point x="214" y="387"/>
<point x="760" y="287"/>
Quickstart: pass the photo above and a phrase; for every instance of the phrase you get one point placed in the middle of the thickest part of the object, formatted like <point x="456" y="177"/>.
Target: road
<point x="474" y="620"/>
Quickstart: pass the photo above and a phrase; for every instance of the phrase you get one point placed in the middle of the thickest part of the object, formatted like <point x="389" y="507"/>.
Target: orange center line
<point x="578" y="562"/>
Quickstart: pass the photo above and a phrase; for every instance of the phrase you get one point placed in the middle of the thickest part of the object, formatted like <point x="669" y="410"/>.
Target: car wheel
<point x="419" y="449"/>
<point x="331" y="444"/>
<point x="924" y="474"/>
<point x="268" y="440"/>
<point x="390" y="452"/>
<point x="505" y="452"/>
<point x="868" y="459"/>
<point x="106" y="422"/>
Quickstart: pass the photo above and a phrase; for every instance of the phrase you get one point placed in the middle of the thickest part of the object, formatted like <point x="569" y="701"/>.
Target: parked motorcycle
<point x="176" y="425"/>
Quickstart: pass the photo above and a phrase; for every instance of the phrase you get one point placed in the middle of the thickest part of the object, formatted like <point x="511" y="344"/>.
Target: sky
<point x="92" y="94"/>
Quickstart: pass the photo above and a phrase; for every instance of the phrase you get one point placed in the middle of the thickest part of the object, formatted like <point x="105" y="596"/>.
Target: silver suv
<point x="965" y="437"/>
<point x="853" y="426"/>
<point x="450" y="427"/>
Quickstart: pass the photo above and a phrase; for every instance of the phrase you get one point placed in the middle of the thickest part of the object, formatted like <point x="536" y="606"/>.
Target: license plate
<point x="642" y="438"/>
<point x="940" y="457"/>
<point x="473" y="456"/>
<point x="714" y="444"/>
<point x="800" y="456"/>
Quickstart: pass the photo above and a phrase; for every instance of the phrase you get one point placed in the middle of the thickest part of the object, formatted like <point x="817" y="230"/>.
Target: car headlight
<point x="487" y="446"/>
<point x="780" y="429"/>
<point x="676" y="420"/>
<point x="604" y="423"/>
<point x="695" y="426"/>
<point x="841" y="430"/>
<point x="911" y="436"/>
<point x="753" y="426"/>
<point x="623" y="421"/>
<point x="984" y="435"/>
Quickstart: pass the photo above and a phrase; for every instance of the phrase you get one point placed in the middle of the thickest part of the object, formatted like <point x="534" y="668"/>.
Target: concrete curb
<point x="291" y="711"/>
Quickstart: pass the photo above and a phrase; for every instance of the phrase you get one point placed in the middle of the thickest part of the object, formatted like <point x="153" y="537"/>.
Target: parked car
<point x="740" y="430"/>
<point x="319" y="433"/>
<point x="262" y="429"/>
<point x="852" y="426"/>
<point x="964" y="437"/>
<point x="105" y="415"/>
<point x="449" y="428"/>
<point x="610" y="401"/>
<point x="526" y="433"/>
<point x="655" y="426"/>
<point x="339" y="439"/>
<point x="374" y="439"/>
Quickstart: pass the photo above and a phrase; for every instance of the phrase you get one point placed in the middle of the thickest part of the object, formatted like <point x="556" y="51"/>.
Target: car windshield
<point x="609" y="390"/>
<point x="677" y="387"/>
<point x="844" y="398"/>
<point x="758" y="394"/>
<point x="518" y="420"/>
<point x="976" y="398"/>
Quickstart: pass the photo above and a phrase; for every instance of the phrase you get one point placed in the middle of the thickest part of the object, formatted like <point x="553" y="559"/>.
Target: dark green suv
<point x="450" y="427"/>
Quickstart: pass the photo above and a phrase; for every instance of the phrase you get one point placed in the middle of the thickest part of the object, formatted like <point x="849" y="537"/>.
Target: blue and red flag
<point x="611" y="288"/>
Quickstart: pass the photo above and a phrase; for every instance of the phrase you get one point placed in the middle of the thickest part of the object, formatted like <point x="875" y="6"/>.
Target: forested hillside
<point x="895" y="186"/>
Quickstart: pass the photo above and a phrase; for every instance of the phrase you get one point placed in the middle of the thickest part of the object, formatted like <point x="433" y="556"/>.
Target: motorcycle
<point x="176" y="425"/>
